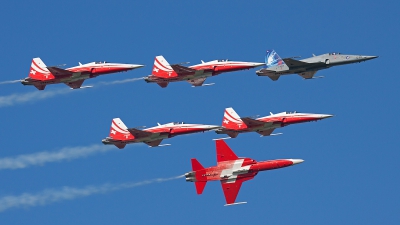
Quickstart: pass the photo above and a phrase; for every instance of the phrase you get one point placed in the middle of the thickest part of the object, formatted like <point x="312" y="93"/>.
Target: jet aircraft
<point x="275" y="66"/>
<point x="233" y="124"/>
<point x="163" y="72"/>
<point x="40" y="75"/>
<point x="120" y="135"/>
<point x="231" y="171"/>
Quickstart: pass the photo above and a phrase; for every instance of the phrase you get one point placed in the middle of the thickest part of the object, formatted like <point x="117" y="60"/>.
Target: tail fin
<point x="201" y="181"/>
<point x="224" y="152"/>
<point x="162" y="68"/>
<point x="39" y="71"/>
<point x="119" y="131"/>
<point x="273" y="59"/>
<point x="232" y="120"/>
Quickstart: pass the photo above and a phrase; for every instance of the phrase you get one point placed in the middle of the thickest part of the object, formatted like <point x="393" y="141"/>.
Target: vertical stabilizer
<point x="201" y="181"/>
<point x="39" y="70"/>
<point x="273" y="59"/>
<point x="232" y="120"/>
<point x="162" y="68"/>
<point x="119" y="131"/>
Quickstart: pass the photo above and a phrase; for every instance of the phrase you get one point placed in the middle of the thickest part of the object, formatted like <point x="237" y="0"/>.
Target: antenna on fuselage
<point x="80" y="63"/>
<point x="158" y="124"/>
<point x="313" y="55"/>
<point x="202" y="61"/>
<point x="271" y="113"/>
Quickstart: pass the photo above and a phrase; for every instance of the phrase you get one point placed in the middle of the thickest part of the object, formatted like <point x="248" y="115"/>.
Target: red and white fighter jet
<point x="232" y="124"/>
<point x="120" y="134"/>
<point x="163" y="72"/>
<point x="232" y="171"/>
<point x="40" y="75"/>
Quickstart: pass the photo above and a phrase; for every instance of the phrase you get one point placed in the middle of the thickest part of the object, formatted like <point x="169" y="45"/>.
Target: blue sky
<point x="351" y="170"/>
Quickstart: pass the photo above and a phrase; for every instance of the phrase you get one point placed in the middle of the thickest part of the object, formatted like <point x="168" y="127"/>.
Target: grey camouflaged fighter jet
<point x="275" y="66"/>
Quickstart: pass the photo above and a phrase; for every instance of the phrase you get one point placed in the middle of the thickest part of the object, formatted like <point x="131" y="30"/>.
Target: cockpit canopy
<point x="290" y="112"/>
<point x="100" y="62"/>
<point x="334" y="53"/>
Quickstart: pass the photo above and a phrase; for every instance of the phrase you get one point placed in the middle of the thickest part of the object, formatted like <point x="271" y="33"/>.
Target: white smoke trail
<point x="23" y="161"/>
<point x="13" y="99"/>
<point x="10" y="82"/>
<point x="68" y="193"/>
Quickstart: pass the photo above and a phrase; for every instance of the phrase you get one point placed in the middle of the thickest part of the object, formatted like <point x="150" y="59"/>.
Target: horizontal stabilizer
<point x="196" y="165"/>
<point x="200" y="185"/>
<point x="139" y="133"/>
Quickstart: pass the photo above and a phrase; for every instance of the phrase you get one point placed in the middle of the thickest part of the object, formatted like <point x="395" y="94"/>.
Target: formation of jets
<point x="231" y="170"/>
<point x="163" y="73"/>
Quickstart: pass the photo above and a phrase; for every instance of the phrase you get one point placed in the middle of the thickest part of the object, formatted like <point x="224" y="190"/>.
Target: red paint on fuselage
<point x="214" y="173"/>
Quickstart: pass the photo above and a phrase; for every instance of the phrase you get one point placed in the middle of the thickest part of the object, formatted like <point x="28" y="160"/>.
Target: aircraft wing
<point x="182" y="70"/>
<point x="296" y="63"/>
<point x="75" y="84"/>
<point x="266" y="132"/>
<point x="231" y="189"/>
<point x="58" y="72"/>
<point x="197" y="82"/>
<point x="307" y="75"/>
<point x="153" y="143"/>
<point x="252" y="122"/>
<point x="139" y="133"/>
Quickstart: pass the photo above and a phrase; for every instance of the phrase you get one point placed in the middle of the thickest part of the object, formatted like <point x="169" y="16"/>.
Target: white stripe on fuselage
<point x="228" y="173"/>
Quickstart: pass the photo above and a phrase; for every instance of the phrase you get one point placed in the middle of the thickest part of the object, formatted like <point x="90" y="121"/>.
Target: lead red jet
<point x="40" y="75"/>
<point x="233" y="124"/>
<point x="120" y="134"/>
<point x="232" y="171"/>
<point x="163" y="72"/>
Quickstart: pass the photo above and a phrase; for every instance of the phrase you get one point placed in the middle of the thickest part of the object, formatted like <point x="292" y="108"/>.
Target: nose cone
<point x="134" y="66"/>
<point x="212" y="127"/>
<point x="256" y="64"/>
<point x="324" y="116"/>
<point x="366" y="57"/>
<point x="296" y="161"/>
